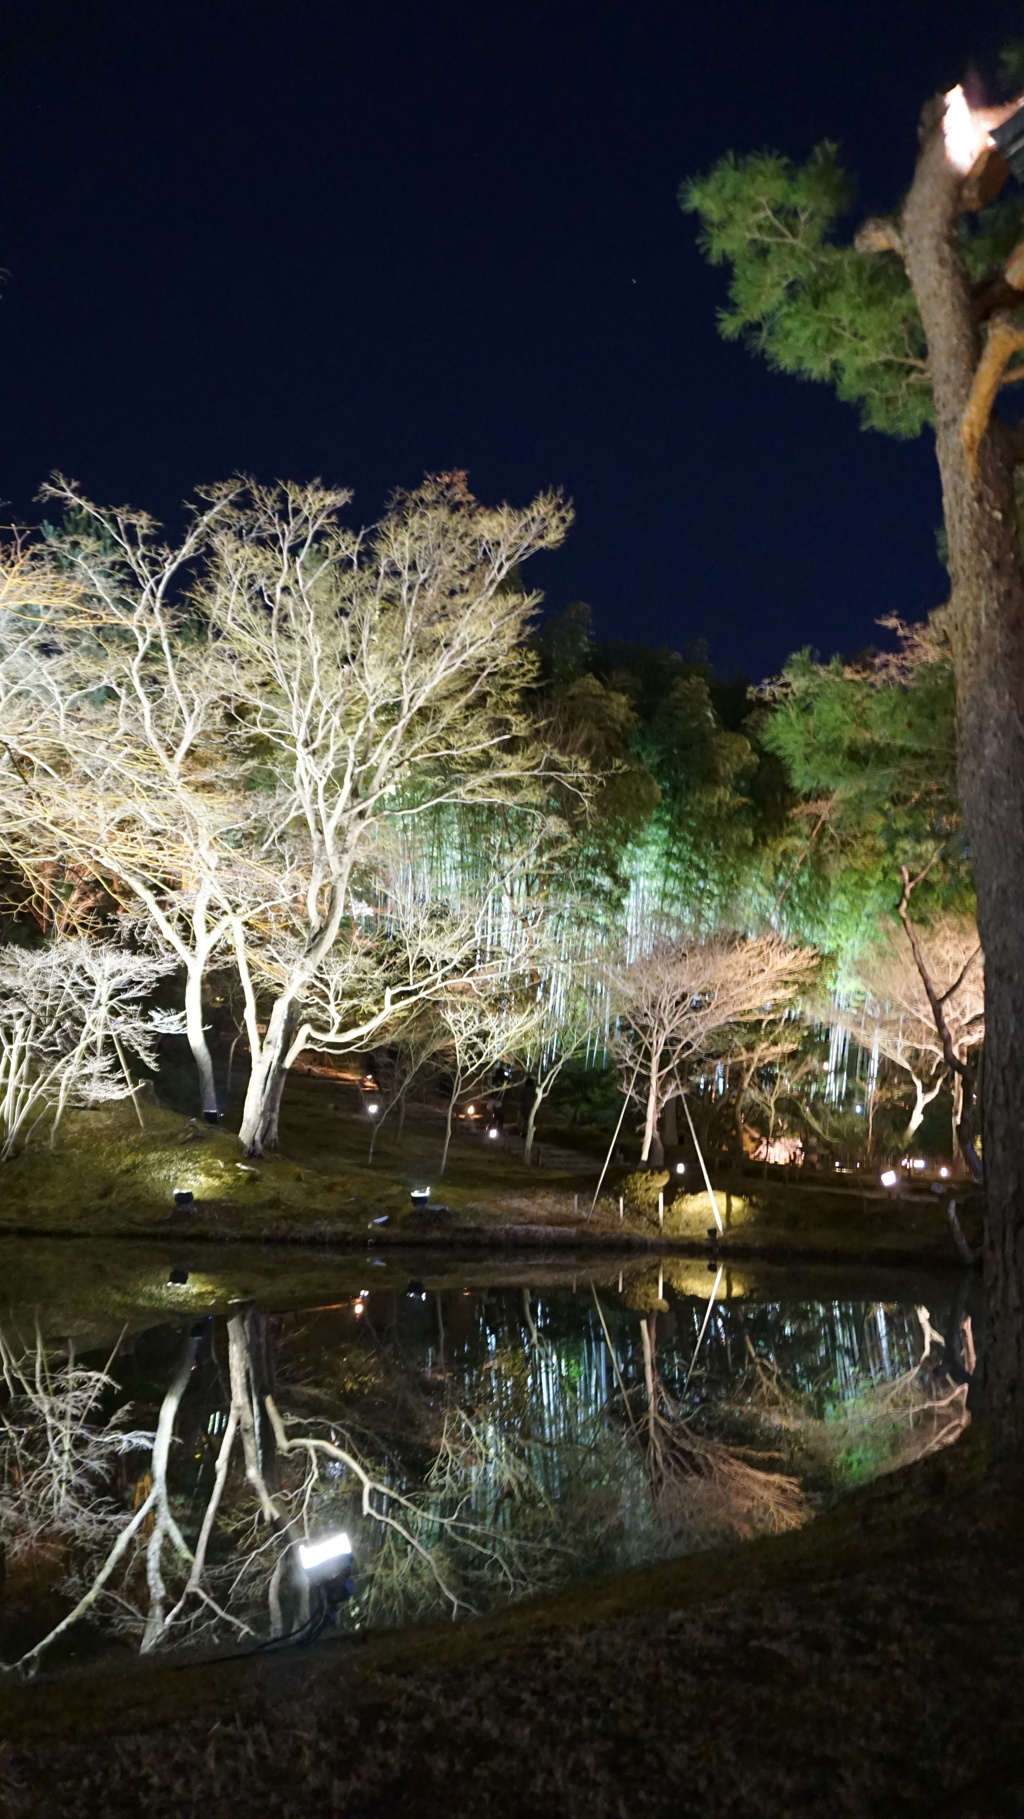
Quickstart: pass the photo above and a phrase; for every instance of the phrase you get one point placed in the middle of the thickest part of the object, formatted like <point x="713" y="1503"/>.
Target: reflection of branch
<point x="327" y="1449"/>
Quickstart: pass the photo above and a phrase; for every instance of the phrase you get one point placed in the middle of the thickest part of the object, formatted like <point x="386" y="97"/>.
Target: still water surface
<point x="478" y="1430"/>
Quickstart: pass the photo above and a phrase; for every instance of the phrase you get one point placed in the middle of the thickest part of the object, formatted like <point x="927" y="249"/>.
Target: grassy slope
<point x="107" y="1177"/>
<point x="866" y="1665"/>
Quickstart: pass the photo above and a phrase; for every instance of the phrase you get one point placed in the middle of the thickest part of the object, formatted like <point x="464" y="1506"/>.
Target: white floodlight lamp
<point x="317" y="1553"/>
<point x="373" y="1108"/>
<point x="680" y="1168"/>
<point x="889" y="1177"/>
<point x="419" y="1195"/>
<point x="944" y="1172"/>
<point x="919" y="1162"/>
<point x="493" y="1132"/>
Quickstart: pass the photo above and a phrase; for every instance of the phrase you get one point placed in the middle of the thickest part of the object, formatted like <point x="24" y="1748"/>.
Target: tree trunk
<point x="921" y="1101"/>
<point x="531" y="1128"/>
<point x="448" y="1122"/>
<point x="985" y="621"/>
<point x="197" y="1038"/>
<point x="262" y="1108"/>
<point x="652" y="1150"/>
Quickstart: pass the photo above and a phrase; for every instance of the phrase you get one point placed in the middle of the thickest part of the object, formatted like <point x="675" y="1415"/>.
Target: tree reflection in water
<point x="474" y="1445"/>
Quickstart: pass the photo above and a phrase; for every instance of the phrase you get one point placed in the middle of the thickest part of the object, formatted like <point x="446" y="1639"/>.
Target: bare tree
<point x="897" y="1011"/>
<point x="70" y="1013"/>
<point x="380" y="675"/>
<point x="115" y="756"/>
<point x="569" y="1005"/>
<point x="675" y="999"/>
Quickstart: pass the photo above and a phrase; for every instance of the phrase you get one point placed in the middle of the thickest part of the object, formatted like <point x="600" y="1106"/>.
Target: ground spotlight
<point x="178" y="1276"/>
<point x="889" y="1177"/>
<point x="680" y="1168"/>
<point x="184" y="1198"/>
<point x="419" y="1196"/>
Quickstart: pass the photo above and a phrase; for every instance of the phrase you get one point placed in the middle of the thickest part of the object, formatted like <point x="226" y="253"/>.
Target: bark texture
<point x="985" y="622"/>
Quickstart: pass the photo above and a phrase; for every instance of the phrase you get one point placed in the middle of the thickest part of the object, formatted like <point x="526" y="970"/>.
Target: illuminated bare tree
<point x="674" y="1000"/>
<point x="897" y="1012"/>
<point x="115" y="763"/>
<point x="70" y="1013"/>
<point x="380" y="675"/>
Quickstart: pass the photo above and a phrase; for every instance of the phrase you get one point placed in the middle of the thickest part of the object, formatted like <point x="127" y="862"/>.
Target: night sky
<point x="371" y="238"/>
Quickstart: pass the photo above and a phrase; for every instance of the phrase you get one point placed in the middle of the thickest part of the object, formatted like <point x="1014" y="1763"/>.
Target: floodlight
<point x="359" y="1307"/>
<point x="470" y="1111"/>
<point x="178" y="1276"/>
<point x="316" y="1553"/>
<point x="419" y="1195"/>
<point x="213" y="1117"/>
<point x="373" y="1108"/>
<point x="944" y="1172"/>
<point x="889" y="1177"/>
<point x="680" y="1168"/>
<point x="858" y="1108"/>
<point x="919" y="1162"/>
<point x="184" y="1197"/>
<point x="493" y="1131"/>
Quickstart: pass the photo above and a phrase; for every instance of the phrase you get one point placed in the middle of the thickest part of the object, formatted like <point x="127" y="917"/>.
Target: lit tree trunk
<point x="531" y="1128"/>
<point x="197" y="1038"/>
<point x="921" y="1102"/>
<point x="262" y="1109"/>
<point x="985" y="621"/>
<point x="652" y="1150"/>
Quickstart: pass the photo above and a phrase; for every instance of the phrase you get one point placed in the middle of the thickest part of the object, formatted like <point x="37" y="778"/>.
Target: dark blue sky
<point x="363" y="239"/>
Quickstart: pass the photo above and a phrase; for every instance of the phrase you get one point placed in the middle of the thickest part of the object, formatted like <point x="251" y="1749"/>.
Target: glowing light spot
<point x="332" y="1548"/>
<point x="889" y="1177"/>
<point x="965" y="136"/>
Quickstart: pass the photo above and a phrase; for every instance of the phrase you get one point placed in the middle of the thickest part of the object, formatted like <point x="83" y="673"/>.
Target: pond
<point x="242" y="1447"/>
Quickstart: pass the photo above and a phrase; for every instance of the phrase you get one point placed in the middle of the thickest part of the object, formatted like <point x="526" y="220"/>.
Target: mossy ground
<point x="865" y="1667"/>
<point x="106" y="1177"/>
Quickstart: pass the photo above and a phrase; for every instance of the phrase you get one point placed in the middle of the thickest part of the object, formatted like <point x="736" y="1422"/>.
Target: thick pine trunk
<point x="985" y="620"/>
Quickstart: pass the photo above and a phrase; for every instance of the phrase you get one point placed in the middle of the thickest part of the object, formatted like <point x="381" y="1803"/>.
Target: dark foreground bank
<point x="870" y="1664"/>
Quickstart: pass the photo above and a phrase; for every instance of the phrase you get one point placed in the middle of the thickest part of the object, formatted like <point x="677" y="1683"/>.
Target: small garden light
<point x="944" y="1172"/>
<point x="889" y="1177"/>
<point x="184" y="1198"/>
<point x="494" y="1131"/>
<point x="178" y="1276"/>
<point x="373" y="1108"/>
<point x="419" y="1196"/>
<point x="680" y="1168"/>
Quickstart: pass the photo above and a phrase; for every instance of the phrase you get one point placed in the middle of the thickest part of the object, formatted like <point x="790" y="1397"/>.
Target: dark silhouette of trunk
<point x="985" y="624"/>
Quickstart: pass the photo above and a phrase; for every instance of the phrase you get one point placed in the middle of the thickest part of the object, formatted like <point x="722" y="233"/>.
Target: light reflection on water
<point x="477" y="1442"/>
